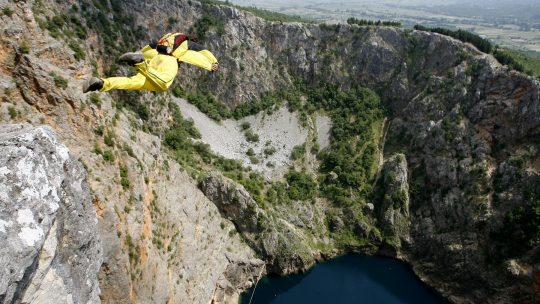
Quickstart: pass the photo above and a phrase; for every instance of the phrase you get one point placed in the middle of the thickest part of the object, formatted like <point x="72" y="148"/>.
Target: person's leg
<point x="156" y="74"/>
<point x="137" y="82"/>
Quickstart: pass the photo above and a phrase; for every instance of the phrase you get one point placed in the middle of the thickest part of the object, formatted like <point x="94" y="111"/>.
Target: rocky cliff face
<point x="454" y="202"/>
<point x="51" y="250"/>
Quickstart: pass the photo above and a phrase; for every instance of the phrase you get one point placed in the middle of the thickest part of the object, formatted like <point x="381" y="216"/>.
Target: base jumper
<point x="157" y="65"/>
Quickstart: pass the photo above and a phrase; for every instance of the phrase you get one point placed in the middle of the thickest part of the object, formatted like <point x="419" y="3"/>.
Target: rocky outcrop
<point x="233" y="201"/>
<point x="393" y="209"/>
<point x="51" y="251"/>
<point x="282" y="245"/>
<point x="467" y="126"/>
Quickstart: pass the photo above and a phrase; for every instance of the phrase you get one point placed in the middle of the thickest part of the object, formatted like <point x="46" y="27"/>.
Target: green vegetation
<point x="131" y="100"/>
<point x="59" y="81"/>
<point x="12" y="112"/>
<point x="99" y="130"/>
<point x="80" y="54"/>
<point x="363" y="22"/>
<point x="301" y="186"/>
<point x="465" y="36"/>
<point x="269" y="102"/>
<point x="245" y="125"/>
<point x="7" y="11"/>
<point x="269" y="151"/>
<point x="124" y="181"/>
<point x="108" y="139"/>
<point x="108" y="156"/>
<point x="298" y="152"/>
<point x="205" y="23"/>
<point x="209" y="105"/>
<point x="251" y="136"/>
<point x="520" y="231"/>
<point x="24" y="47"/>
<point x="94" y="98"/>
<point x="513" y="59"/>
<point x="519" y="61"/>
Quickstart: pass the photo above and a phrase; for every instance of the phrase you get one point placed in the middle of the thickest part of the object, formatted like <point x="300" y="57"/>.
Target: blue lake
<point x="347" y="279"/>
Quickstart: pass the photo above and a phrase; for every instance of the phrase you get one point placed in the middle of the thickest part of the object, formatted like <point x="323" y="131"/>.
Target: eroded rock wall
<point x="51" y="251"/>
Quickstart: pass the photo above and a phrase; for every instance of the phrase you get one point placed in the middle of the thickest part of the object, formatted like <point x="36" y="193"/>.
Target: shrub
<point x="108" y="155"/>
<point x="209" y="105"/>
<point x="94" y="98"/>
<point x="301" y="186"/>
<point x="7" y="11"/>
<point x="59" y="81"/>
<point x="254" y="159"/>
<point x="179" y="92"/>
<point x="132" y="101"/>
<point x="24" y="47"/>
<point x="250" y="136"/>
<point x="298" y="152"/>
<point x="12" y="112"/>
<point x="79" y="52"/>
<point x="269" y="151"/>
<point x="245" y="125"/>
<point x="99" y="130"/>
<point x="109" y="139"/>
<point x="124" y="181"/>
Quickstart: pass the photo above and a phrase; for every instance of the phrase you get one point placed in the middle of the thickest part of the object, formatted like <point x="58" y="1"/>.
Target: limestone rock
<point x="233" y="201"/>
<point x="51" y="252"/>
<point x="393" y="210"/>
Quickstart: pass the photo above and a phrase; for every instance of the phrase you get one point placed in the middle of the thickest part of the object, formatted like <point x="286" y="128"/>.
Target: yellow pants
<point x="155" y="73"/>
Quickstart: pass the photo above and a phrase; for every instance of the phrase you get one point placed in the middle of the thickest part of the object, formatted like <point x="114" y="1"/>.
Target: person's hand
<point x="215" y="67"/>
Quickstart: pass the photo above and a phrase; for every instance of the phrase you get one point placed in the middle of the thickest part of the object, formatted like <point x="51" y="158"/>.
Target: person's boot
<point x="92" y="84"/>
<point x="131" y="58"/>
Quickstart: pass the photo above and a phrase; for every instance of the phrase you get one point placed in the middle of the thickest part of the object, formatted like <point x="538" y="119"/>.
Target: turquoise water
<point x="347" y="279"/>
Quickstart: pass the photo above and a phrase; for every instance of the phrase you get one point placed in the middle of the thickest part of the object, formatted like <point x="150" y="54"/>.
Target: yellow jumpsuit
<point x="158" y="71"/>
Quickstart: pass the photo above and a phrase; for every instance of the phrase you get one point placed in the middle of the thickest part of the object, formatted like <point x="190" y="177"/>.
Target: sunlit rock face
<point x="50" y="251"/>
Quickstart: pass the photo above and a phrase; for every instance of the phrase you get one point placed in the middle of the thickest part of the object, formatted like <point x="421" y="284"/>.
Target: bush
<point x="79" y="52"/>
<point x="250" y="136"/>
<point x="301" y="186"/>
<point x="59" y="81"/>
<point x="298" y="152"/>
<point x="108" y="155"/>
<point x="520" y="231"/>
<point x="109" y="139"/>
<point x="99" y="130"/>
<point x="12" y="112"/>
<point x="7" y="11"/>
<point x="124" y="181"/>
<point x="209" y="105"/>
<point x="132" y="101"/>
<point x="269" y="151"/>
<point x="24" y="47"/>
<point x="245" y="125"/>
<point x="94" y="98"/>
<point x="179" y="92"/>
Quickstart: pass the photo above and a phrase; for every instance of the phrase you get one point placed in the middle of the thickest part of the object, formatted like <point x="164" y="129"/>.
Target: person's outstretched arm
<point x="197" y="55"/>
